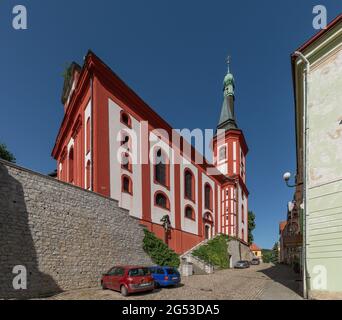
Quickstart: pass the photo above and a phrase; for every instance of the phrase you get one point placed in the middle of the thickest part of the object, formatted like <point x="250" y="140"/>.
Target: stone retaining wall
<point x="64" y="236"/>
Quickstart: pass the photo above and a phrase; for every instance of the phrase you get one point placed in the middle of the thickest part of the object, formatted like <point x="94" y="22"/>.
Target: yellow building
<point x="256" y="251"/>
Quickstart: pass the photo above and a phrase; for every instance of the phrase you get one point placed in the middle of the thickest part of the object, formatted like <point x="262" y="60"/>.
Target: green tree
<point x="275" y="253"/>
<point x="251" y="226"/>
<point x="5" y="154"/>
<point x="269" y="256"/>
<point x="266" y="255"/>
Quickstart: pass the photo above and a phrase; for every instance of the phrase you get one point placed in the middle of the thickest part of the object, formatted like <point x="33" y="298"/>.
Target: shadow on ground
<point x="285" y="276"/>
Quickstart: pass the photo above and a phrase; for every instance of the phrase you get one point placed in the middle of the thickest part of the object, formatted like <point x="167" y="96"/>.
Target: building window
<point x="161" y="200"/>
<point x="161" y="168"/>
<point x="126" y="162"/>
<point x="189" y="185"/>
<point x="189" y="213"/>
<point x="125" y="140"/>
<point x="125" y="119"/>
<point x="127" y="185"/>
<point x="208" y="197"/>
<point x="71" y="165"/>
<point x="222" y="153"/>
<point x="88" y="186"/>
<point x="88" y="136"/>
<point x="243" y="214"/>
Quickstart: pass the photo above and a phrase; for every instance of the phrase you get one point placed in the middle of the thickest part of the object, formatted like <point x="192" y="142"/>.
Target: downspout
<point x="91" y="131"/>
<point x="306" y="276"/>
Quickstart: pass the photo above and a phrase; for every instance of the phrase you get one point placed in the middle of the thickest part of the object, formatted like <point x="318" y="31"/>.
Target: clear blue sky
<point x="172" y="53"/>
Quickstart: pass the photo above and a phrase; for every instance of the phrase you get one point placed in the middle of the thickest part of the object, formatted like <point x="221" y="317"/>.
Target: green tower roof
<point x="227" y="118"/>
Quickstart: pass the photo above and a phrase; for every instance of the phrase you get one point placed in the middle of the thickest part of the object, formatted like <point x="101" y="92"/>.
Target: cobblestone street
<point x="264" y="282"/>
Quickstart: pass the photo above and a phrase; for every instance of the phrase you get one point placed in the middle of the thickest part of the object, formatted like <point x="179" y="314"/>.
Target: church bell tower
<point x="229" y="154"/>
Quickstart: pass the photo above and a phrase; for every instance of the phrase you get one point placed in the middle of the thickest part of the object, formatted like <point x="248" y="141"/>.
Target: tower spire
<point x="228" y="64"/>
<point x="227" y="118"/>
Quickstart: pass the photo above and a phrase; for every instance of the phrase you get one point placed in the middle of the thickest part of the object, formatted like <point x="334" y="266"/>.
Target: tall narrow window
<point x="88" y="135"/>
<point x="71" y="165"/>
<point x="161" y="168"/>
<point x="243" y="214"/>
<point x="125" y="140"/>
<point x="189" y="185"/>
<point x="207" y="197"/>
<point x="125" y="119"/>
<point x="125" y="162"/>
<point x="127" y="185"/>
<point x="88" y="185"/>
<point x="223" y="153"/>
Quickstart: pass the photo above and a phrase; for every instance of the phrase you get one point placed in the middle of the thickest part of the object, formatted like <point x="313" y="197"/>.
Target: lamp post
<point x="287" y="177"/>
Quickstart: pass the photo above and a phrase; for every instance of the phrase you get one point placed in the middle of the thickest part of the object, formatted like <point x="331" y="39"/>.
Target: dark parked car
<point x="165" y="276"/>
<point x="128" y="279"/>
<point x="243" y="264"/>
<point x="255" y="261"/>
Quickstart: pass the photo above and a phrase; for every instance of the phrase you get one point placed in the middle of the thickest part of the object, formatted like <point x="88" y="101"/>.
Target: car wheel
<point x="124" y="291"/>
<point x="156" y="285"/>
<point x="103" y="286"/>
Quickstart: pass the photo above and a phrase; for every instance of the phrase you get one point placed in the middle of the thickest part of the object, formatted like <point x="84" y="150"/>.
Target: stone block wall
<point x="239" y="251"/>
<point x="66" y="237"/>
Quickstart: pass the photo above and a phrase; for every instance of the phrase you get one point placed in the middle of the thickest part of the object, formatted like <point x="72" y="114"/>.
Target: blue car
<point x="165" y="276"/>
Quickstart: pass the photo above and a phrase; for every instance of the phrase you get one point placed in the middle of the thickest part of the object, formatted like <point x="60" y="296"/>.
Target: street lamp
<point x="287" y="177"/>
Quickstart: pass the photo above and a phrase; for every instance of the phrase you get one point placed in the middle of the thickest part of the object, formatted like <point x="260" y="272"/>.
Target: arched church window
<point x="88" y="175"/>
<point x="161" y="168"/>
<point x="71" y="165"/>
<point x="189" y="213"/>
<point x="189" y="185"/>
<point x="126" y="162"/>
<point x="162" y="201"/>
<point x="88" y="135"/>
<point x="125" y="119"/>
<point x="208" y="197"/>
<point x="127" y="184"/>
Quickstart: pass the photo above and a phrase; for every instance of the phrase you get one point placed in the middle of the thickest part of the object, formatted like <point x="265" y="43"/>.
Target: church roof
<point x="227" y="117"/>
<point x="254" y="247"/>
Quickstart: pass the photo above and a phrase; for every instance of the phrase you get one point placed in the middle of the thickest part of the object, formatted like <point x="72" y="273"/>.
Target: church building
<point x="112" y="143"/>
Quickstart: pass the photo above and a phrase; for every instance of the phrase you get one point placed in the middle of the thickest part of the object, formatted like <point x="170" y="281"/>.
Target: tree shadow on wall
<point x="16" y="244"/>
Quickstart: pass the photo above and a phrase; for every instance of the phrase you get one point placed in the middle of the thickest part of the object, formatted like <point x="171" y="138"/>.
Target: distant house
<point x="282" y="251"/>
<point x="256" y="251"/>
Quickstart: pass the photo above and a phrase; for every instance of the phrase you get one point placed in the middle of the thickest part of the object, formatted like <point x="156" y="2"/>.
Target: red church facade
<point x="112" y="143"/>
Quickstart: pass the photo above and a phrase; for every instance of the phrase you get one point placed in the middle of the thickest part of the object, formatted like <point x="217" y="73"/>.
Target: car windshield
<point x="138" y="272"/>
<point x="171" y="271"/>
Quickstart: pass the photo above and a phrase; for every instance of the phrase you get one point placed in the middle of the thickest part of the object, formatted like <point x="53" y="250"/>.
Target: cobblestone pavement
<point x="258" y="282"/>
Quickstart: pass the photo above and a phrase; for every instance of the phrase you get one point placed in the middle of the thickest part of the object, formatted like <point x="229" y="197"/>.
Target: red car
<point x="128" y="279"/>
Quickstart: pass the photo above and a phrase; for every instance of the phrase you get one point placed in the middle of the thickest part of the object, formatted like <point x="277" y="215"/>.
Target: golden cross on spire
<point x="228" y="62"/>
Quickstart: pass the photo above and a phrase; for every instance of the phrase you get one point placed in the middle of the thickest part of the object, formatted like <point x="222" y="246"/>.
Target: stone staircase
<point x="199" y="266"/>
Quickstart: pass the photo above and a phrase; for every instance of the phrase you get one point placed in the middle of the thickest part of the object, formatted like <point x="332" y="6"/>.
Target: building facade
<point x="317" y="77"/>
<point x="112" y="143"/>
<point x="256" y="251"/>
<point x="291" y="235"/>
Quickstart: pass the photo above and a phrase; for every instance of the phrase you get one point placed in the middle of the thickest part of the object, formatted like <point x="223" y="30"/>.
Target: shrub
<point x="159" y="252"/>
<point x="215" y="251"/>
